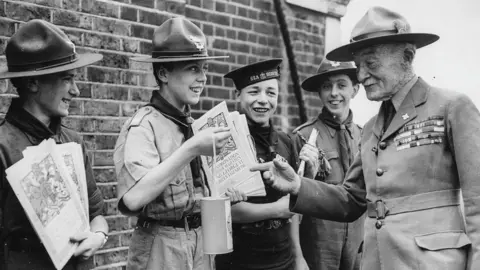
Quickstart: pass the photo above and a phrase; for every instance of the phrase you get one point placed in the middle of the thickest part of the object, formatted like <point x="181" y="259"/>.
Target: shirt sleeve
<point x="135" y="157"/>
<point x="463" y="131"/>
<point x="341" y="203"/>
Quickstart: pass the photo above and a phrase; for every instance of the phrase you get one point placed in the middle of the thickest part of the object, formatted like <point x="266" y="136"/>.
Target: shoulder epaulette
<point x="139" y="115"/>
<point x="306" y="124"/>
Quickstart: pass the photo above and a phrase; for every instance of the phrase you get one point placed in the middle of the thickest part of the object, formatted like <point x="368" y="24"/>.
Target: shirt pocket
<point x="442" y="250"/>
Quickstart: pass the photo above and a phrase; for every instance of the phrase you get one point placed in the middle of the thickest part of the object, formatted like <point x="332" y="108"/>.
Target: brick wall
<point x="111" y="90"/>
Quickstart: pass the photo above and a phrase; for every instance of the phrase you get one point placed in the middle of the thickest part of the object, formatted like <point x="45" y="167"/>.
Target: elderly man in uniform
<point x="330" y="245"/>
<point x="418" y="156"/>
<point x="41" y="65"/>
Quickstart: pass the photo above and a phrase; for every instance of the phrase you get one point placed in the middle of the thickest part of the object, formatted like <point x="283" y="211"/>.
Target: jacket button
<point x="378" y="224"/>
<point x="379" y="172"/>
<point x="383" y="145"/>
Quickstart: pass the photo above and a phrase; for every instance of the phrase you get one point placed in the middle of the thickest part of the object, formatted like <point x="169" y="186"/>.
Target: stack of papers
<point x="50" y="184"/>
<point x="233" y="162"/>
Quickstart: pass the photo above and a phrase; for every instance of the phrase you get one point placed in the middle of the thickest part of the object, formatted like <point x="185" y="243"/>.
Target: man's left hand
<point x="88" y="243"/>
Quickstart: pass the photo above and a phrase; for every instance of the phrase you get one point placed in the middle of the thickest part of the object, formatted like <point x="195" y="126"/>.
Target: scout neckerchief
<point x="29" y="124"/>
<point x="344" y="135"/>
<point x="184" y="121"/>
<point x="262" y="138"/>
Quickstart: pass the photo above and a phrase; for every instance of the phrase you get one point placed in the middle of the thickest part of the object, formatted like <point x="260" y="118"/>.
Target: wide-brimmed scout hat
<point x="254" y="73"/>
<point x="178" y="39"/>
<point x="39" y="48"/>
<point x="328" y="68"/>
<point x="379" y="26"/>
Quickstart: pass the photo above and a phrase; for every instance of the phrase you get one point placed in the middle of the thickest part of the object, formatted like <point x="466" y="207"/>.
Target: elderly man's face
<point x="381" y="70"/>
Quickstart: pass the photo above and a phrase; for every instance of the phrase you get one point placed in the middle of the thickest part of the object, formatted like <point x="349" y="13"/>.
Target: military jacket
<point x="411" y="180"/>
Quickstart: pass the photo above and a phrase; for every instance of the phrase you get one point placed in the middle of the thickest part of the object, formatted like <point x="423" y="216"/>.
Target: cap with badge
<point x="39" y="48"/>
<point x="254" y="73"/>
<point x="328" y="68"/>
<point x="380" y="25"/>
<point x="178" y="39"/>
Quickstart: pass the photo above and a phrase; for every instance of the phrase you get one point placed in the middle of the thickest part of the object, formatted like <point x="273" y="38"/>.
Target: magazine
<point x="233" y="162"/>
<point x="72" y="155"/>
<point x="44" y="187"/>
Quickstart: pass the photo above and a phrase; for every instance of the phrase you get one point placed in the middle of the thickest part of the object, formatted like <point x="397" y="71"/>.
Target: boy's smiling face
<point x="185" y="82"/>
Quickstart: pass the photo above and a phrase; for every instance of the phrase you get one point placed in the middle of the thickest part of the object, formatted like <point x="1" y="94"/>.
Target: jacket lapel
<point x="407" y="111"/>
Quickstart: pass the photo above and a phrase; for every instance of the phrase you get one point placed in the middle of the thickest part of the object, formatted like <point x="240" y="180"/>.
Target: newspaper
<point x="43" y="185"/>
<point x="233" y="162"/>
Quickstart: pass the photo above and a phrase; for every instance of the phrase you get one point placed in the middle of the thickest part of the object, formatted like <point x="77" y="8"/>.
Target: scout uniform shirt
<point x="146" y="139"/>
<point x="329" y="244"/>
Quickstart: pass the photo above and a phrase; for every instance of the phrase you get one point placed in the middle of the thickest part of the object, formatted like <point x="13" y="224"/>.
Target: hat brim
<point x="344" y="53"/>
<point x="174" y="59"/>
<point x="83" y="60"/>
<point x="312" y="84"/>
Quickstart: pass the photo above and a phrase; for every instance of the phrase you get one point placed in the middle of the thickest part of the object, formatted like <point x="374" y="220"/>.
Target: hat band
<point x="173" y="54"/>
<point x="43" y="65"/>
<point x="257" y="77"/>
<point x="374" y="34"/>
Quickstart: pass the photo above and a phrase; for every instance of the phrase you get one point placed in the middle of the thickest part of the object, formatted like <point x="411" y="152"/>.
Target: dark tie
<point x="345" y="151"/>
<point x="388" y="113"/>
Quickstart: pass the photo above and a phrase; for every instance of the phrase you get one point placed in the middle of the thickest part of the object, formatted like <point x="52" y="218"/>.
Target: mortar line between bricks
<point x="230" y="14"/>
<point x="110" y="101"/>
<point x="117" y="85"/>
<point x="235" y="4"/>
<point x="135" y="6"/>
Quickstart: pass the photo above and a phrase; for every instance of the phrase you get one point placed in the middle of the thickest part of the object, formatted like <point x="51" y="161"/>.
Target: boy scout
<point x="43" y="76"/>
<point x="330" y="245"/>
<point x="160" y="178"/>
<point x="418" y="159"/>
<point x="263" y="237"/>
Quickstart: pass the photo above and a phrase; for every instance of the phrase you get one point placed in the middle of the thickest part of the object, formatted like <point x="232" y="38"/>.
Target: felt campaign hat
<point x="326" y="69"/>
<point x="39" y="48"/>
<point x="379" y="26"/>
<point x="178" y="39"/>
<point x="254" y="73"/>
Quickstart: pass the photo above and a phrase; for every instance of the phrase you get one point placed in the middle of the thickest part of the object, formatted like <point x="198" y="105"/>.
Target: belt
<point x="261" y="227"/>
<point x="382" y="208"/>
<point x="188" y="222"/>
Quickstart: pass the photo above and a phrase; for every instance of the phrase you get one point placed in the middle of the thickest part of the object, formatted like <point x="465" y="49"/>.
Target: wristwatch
<point x="105" y="239"/>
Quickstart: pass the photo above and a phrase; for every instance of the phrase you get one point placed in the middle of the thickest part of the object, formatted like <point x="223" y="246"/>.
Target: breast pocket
<point x="442" y="250"/>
